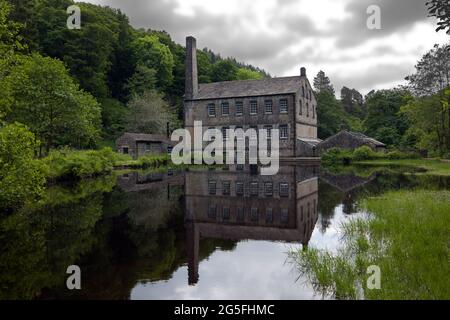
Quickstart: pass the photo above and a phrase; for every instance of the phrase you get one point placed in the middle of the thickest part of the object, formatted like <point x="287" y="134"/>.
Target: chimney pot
<point x="303" y="71"/>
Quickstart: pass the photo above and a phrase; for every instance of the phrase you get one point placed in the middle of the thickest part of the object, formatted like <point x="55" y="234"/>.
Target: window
<point x="225" y="133"/>
<point x="314" y="112"/>
<point x="254" y="188"/>
<point x="211" y="110"/>
<point x="283" y="131"/>
<point x="253" y="107"/>
<point x="301" y="107"/>
<point x="212" y="187"/>
<point x="283" y="106"/>
<point x="284" y="189"/>
<point x="240" y="214"/>
<point x="303" y="91"/>
<point x="147" y="146"/>
<point x="169" y="149"/>
<point x="301" y="213"/>
<point x="268" y="189"/>
<point x="225" y="108"/>
<point x="125" y="150"/>
<point x="268" y="106"/>
<point x="284" y="216"/>
<point x="254" y="214"/>
<point x="212" y="211"/>
<point x="310" y="95"/>
<point x="239" y="108"/>
<point x="226" y="188"/>
<point x="225" y="213"/>
<point x="307" y="110"/>
<point x="239" y="167"/>
<point x="239" y="188"/>
<point x="269" y="215"/>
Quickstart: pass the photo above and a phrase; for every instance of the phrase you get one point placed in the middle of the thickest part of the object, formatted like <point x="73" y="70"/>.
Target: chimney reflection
<point x="233" y="203"/>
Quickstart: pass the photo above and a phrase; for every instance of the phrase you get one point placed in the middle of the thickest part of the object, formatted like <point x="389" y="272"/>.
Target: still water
<point x="220" y="233"/>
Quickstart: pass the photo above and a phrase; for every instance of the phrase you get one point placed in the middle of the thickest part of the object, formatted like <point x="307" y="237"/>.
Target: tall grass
<point x="407" y="235"/>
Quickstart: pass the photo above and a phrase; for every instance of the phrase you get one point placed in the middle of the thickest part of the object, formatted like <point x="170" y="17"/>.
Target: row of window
<point x="253" y="107"/>
<point x="253" y="214"/>
<point x="253" y="188"/>
<point x="306" y="93"/>
<point x="283" y="132"/>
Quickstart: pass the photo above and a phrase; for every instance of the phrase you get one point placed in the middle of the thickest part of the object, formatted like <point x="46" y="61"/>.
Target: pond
<point x="202" y="233"/>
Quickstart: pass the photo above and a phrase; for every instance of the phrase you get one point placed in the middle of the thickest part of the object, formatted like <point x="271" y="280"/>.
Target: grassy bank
<point x="80" y="164"/>
<point x="432" y="166"/>
<point x="407" y="235"/>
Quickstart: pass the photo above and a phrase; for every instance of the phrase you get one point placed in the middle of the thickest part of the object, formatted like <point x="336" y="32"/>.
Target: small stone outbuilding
<point x="350" y="140"/>
<point x="139" y="144"/>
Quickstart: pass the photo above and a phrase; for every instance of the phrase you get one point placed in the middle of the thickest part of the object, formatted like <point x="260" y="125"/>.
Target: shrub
<point x="153" y="160"/>
<point x="71" y="164"/>
<point x="337" y="155"/>
<point x="364" y="153"/>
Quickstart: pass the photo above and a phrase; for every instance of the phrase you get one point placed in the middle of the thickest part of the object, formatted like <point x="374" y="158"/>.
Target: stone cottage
<point x="284" y="103"/>
<point x="139" y="144"/>
<point x="350" y="140"/>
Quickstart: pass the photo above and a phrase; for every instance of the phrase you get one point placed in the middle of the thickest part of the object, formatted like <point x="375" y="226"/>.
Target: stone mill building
<point x="284" y="103"/>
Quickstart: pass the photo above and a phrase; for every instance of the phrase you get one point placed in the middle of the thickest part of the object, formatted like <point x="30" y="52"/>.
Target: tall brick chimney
<point x="191" y="84"/>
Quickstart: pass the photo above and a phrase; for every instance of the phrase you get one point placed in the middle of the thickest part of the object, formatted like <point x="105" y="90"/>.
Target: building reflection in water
<point x="237" y="203"/>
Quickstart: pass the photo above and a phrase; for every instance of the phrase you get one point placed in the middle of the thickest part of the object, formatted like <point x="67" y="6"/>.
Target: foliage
<point x="406" y="236"/>
<point x="149" y="113"/>
<point x="330" y="114"/>
<point x="46" y="99"/>
<point x="323" y="83"/>
<point x="441" y="10"/>
<point x="247" y="74"/>
<point x="22" y="178"/>
<point x="383" y="121"/>
<point x="149" y="52"/>
<point x="352" y="101"/>
<point x="72" y="164"/>
<point x="337" y="155"/>
<point x="224" y="70"/>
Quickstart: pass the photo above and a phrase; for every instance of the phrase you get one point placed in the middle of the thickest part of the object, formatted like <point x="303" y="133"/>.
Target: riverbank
<point x="405" y="235"/>
<point x="430" y="166"/>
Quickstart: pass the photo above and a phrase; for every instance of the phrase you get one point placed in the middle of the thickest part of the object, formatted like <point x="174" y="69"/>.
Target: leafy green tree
<point x="149" y="113"/>
<point x="224" y="70"/>
<point x="383" y="115"/>
<point x="143" y="79"/>
<point x="151" y="53"/>
<point x="247" y="74"/>
<point x="49" y="102"/>
<point x="352" y="101"/>
<point x="22" y="178"/>
<point x="330" y="114"/>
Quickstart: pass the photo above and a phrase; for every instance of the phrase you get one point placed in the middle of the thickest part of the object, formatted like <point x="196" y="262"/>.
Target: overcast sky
<point x="280" y="36"/>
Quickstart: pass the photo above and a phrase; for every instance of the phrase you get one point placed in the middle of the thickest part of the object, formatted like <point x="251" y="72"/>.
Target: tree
<point x="247" y="74"/>
<point x="432" y="78"/>
<point x="143" y="79"/>
<point x="46" y="99"/>
<point x="150" y="52"/>
<point x="149" y="113"/>
<point x="383" y="121"/>
<point x="323" y="83"/>
<point x="224" y="70"/>
<point x="352" y="101"/>
<point x="441" y="10"/>
<point x="330" y="114"/>
<point x="22" y="178"/>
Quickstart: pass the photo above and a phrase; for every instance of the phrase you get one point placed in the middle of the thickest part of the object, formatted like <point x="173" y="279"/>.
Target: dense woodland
<point x="80" y="89"/>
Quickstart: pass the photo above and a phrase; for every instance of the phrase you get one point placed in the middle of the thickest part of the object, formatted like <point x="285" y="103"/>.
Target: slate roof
<point x="364" y="137"/>
<point x="248" y="88"/>
<point x="310" y="141"/>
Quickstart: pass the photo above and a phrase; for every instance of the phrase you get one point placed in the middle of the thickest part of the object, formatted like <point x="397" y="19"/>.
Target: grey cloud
<point x="373" y="76"/>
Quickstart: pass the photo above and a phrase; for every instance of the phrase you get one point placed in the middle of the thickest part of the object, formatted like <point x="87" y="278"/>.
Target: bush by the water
<point x="345" y="156"/>
<point x="77" y="164"/>
<point x="153" y="160"/>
